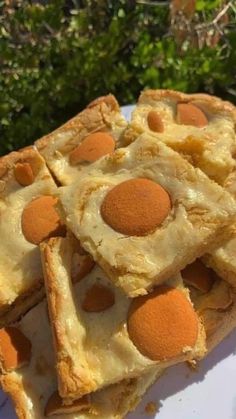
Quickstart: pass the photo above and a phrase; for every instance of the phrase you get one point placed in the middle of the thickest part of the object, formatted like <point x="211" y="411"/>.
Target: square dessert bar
<point x="199" y="126"/>
<point x="29" y="376"/>
<point x="144" y="213"/>
<point x="102" y="337"/>
<point x="27" y="216"/>
<point x="202" y="129"/>
<point x="214" y="300"/>
<point x="92" y="133"/>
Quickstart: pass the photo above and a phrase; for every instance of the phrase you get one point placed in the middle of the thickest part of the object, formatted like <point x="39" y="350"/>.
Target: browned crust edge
<point x="121" y="279"/>
<point x="23" y="303"/>
<point x="213" y="103"/>
<point x="15" y="389"/>
<point x="221" y="267"/>
<point x="71" y="386"/>
<point x="224" y="329"/>
<point x="126" y="394"/>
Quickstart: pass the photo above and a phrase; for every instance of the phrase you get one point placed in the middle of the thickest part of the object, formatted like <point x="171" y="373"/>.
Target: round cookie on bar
<point x="40" y="220"/>
<point x="136" y="207"/>
<point x="92" y="148"/>
<point x="162" y="323"/>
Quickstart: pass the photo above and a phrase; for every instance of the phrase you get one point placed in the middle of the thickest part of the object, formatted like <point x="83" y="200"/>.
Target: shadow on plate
<point x="178" y="377"/>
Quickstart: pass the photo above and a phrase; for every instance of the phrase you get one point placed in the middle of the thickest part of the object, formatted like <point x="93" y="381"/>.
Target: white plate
<point x="181" y="393"/>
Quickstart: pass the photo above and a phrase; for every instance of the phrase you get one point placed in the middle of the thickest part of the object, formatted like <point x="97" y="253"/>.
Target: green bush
<point x="57" y="57"/>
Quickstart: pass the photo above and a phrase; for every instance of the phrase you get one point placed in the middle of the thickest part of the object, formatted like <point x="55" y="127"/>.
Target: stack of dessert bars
<point x="117" y="253"/>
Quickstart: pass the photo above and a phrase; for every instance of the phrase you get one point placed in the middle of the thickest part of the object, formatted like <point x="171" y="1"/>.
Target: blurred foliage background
<point x="56" y="56"/>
